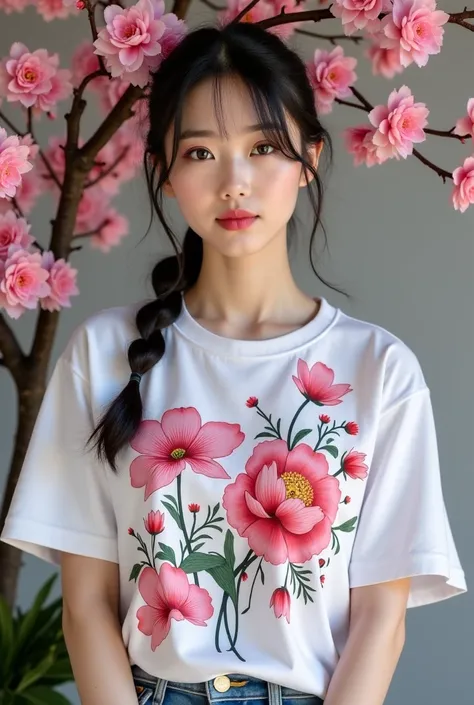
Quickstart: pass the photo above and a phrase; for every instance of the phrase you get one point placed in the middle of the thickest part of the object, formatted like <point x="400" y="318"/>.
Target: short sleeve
<point x="62" y="500"/>
<point x="403" y="529"/>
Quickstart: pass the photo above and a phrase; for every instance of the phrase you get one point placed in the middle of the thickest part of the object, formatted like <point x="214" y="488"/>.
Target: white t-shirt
<point x="268" y="477"/>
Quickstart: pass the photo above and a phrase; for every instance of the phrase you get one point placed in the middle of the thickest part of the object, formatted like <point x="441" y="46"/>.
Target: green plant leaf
<point x="166" y="554"/>
<point x="300" y="435"/>
<point x="34" y="674"/>
<point x="42" y="695"/>
<point x="60" y="672"/>
<point x="264" y="434"/>
<point x="6" y="643"/>
<point x="332" y="450"/>
<point x="196" y="562"/>
<point x="30" y="622"/>
<point x="229" y="548"/>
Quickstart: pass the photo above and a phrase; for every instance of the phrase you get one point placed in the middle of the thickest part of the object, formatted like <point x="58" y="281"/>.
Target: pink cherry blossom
<point x="168" y="595"/>
<point x="55" y="9"/>
<point x="354" y="466"/>
<point x="61" y="88"/>
<point x="360" y="14"/>
<point x="385" y="60"/>
<point x="331" y="75"/>
<point x="27" y="193"/>
<point x="175" y="31"/>
<point x="56" y="158"/>
<point x="130" y="41"/>
<point x="415" y="26"/>
<point x="13" y="231"/>
<point x="13" y="163"/>
<point x="92" y="210"/>
<point x="24" y="281"/>
<point x="180" y="440"/>
<point x="317" y="384"/>
<point x="262" y="10"/>
<point x="9" y="6"/>
<point x="116" y="227"/>
<point x="281" y="603"/>
<point x="359" y="143"/>
<point x="398" y="124"/>
<point x="62" y="282"/>
<point x="463" y="192"/>
<point x="465" y="126"/>
<point x="28" y="75"/>
<point x="85" y="62"/>
<point x="284" y="503"/>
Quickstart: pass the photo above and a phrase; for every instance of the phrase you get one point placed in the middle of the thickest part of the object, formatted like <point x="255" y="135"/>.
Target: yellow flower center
<point x="178" y="453"/>
<point x="20" y="281"/>
<point x="298" y="487"/>
<point x="247" y="17"/>
<point x="30" y="76"/>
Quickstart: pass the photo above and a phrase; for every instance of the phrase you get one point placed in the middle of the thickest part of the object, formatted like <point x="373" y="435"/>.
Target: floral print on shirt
<point x="283" y="505"/>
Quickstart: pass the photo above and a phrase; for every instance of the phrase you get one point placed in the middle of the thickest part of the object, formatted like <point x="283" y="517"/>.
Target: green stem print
<point x="301" y="434"/>
<point x="333" y="430"/>
<point x="271" y="431"/>
<point x="183" y="524"/>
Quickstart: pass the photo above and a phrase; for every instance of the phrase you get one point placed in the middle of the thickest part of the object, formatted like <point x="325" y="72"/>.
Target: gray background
<point x="396" y="245"/>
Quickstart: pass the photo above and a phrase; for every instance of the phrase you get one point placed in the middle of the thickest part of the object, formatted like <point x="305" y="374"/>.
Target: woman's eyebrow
<point x="186" y="134"/>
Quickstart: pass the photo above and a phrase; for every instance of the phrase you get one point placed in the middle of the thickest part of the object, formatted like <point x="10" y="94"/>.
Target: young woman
<point x="261" y="497"/>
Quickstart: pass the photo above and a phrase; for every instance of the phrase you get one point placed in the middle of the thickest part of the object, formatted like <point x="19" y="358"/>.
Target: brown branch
<point x="333" y="39"/>
<point x="89" y="233"/>
<point x="12" y="354"/>
<point x="245" y="11"/>
<point x="17" y="207"/>
<point x="9" y="124"/>
<point x="460" y="18"/>
<point x="438" y="170"/>
<point x="91" y="16"/>
<point x="284" y="18"/>
<point x="109" y="169"/>
<point x="447" y="133"/>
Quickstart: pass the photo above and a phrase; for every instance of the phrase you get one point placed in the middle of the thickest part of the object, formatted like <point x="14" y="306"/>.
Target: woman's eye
<point x="264" y="145"/>
<point x="198" y="150"/>
<point x="201" y="152"/>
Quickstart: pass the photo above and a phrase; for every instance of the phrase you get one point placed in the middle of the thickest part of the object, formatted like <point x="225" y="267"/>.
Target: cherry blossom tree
<point x="125" y="43"/>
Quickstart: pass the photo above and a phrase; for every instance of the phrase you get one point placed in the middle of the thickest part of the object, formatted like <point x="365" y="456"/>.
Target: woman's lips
<point x="237" y="223"/>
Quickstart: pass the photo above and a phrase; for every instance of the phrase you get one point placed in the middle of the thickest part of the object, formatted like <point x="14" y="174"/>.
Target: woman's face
<point x="213" y="173"/>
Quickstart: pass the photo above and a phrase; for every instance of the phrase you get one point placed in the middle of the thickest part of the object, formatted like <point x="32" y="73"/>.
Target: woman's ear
<point x="314" y="152"/>
<point x="168" y="190"/>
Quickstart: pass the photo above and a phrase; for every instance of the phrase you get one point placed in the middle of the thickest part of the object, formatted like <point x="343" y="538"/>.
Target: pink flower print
<point x="62" y="282"/>
<point x="13" y="163"/>
<point x="168" y="595"/>
<point x="13" y="231"/>
<point x="194" y="508"/>
<point x="155" y="522"/>
<point x="324" y="418"/>
<point x="351" y="428"/>
<point x="281" y="603"/>
<point x="179" y="440"/>
<point x="415" y="26"/>
<point x="322" y="562"/>
<point x="398" y="124"/>
<point x="252" y="402"/>
<point x="284" y="503"/>
<point x="465" y="126"/>
<point x="317" y="384"/>
<point x="22" y="282"/>
<point x="360" y="14"/>
<point x="331" y="75"/>
<point x="28" y="74"/>
<point x="463" y="191"/>
<point x="347" y="499"/>
<point x="359" y="143"/>
<point x="130" y="41"/>
<point x="354" y="466"/>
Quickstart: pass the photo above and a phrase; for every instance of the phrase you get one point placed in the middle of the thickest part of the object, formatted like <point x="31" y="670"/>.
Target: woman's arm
<point x="93" y="633"/>
<point x="375" y="642"/>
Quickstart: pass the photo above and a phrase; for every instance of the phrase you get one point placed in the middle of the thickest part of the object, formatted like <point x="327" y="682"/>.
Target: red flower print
<point x="251" y="402"/>
<point x="284" y="503"/>
<point x="346" y="500"/>
<point x="168" y="595"/>
<point x="131" y="531"/>
<point x="244" y="577"/>
<point x="322" y="562"/>
<point x="354" y="466"/>
<point x="281" y="603"/>
<point x="194" y="508"/>
<point x="325" y="418"/>
<point x="179" y="440"/>
<point x="351" y="428"/>
<point x="317" y="384"/>
<point x="322" y="578"/>
<point x="155" y="522"/>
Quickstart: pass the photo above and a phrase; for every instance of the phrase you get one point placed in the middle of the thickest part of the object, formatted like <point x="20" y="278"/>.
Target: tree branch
<point x="333" y="39"/>
<point x="12" y="354"/>
<point x="109" y="169"/>
<point x="284" y="18"/>
<point x="460" y="18"/>
<point x="89" y="233"/>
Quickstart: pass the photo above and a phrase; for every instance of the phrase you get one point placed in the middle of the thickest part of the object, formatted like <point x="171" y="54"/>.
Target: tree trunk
<point x="29" y="402"/>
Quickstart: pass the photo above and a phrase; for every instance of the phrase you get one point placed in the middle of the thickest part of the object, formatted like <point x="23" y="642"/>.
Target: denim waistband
<point x="151" y="690"/>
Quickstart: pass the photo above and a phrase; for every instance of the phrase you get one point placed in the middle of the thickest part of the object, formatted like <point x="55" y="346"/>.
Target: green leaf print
<point x="299" y="580"/>
<point x="224" y="577"/>
<point x="229" y="549"/>
<point x="300" y="435"/>
<point x="265" y="434"/>
<point x="166" y="554"/>
<point x="174" y="513"/>
<point x="134" y="573"/>
<point x="196" y="562"/>
<point x="348" y="525"/>
<point x="332" y="450"/>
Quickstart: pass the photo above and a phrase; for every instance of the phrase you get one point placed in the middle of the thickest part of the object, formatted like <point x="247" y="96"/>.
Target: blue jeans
<point x="243" y="690"/>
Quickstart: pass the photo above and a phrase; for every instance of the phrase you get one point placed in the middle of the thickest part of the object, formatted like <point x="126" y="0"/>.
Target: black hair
<point x="277" y="81"/>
